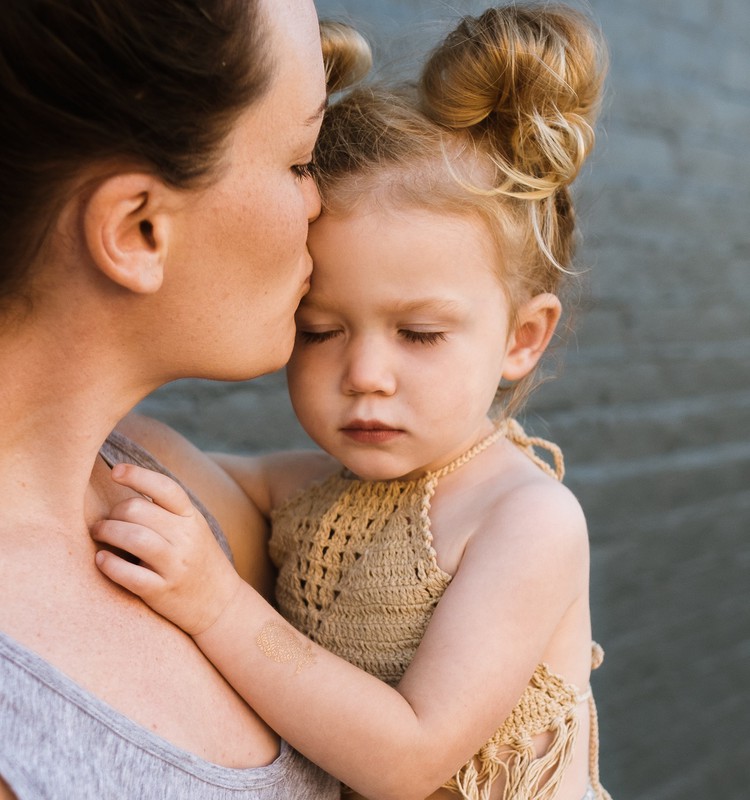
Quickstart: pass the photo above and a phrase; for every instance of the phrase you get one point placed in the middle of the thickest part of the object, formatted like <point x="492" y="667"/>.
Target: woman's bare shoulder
<point x="163" y="442"/>
<point x="242" y="523"/>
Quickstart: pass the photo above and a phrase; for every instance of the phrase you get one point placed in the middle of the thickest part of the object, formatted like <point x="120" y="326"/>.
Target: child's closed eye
<point x="315" y="337"/>
<point x="422" y="337"/>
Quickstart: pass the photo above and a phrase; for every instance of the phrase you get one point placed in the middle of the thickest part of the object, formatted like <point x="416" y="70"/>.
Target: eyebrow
<point x="315" y="118"/>
<point x="438" y="305"/>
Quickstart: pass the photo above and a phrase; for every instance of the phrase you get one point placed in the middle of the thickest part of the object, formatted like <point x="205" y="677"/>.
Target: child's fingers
<point x="133" y="577"/>
<point x="145" y="544"/>
<point x="163" y="490"/>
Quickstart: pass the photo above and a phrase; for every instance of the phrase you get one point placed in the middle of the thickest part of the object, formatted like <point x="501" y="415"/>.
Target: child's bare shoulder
<point x="533" y="515"/>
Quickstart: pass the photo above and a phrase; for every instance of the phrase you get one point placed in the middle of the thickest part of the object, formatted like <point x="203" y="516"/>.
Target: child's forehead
<point x="407" y="265"/>
<point x="404" y="258"/>
<point x="375" y="209"/>
<point x="449" y="185"/>
<point x="382" y="235"/>
<point x="378" y="231"/>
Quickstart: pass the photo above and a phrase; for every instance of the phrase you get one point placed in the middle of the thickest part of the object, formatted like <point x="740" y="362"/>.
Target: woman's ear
<point x="126" y="230"/>
<point x="535" y="323"/>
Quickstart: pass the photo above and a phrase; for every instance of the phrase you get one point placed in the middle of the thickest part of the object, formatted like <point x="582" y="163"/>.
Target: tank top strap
<point x="515" y="433"/>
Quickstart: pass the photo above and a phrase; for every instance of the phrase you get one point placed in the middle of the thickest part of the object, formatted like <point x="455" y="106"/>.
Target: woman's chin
<point x="275" y="357"/>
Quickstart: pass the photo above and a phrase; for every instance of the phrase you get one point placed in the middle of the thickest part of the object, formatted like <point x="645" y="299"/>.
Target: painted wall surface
<point x="652" y="403"/>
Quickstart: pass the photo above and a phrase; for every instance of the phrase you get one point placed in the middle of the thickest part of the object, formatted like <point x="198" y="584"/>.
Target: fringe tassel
<point x="527" y="777"/>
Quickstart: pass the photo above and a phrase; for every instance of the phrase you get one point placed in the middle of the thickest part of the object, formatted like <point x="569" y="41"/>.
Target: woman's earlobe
<point x="535" y="325"/>
<point x="126" y="231"/>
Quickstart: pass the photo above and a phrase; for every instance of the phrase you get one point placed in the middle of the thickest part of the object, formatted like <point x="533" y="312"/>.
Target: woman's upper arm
<point x="242" y="523"/>
<point x="5" y="792"/>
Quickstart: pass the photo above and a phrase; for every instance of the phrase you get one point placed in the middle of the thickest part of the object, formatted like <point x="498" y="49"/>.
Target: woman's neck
<point x="59" y="402"/>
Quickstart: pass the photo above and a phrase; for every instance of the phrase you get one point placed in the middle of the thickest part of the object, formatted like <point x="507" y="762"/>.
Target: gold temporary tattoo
<point x="282" y="645"/>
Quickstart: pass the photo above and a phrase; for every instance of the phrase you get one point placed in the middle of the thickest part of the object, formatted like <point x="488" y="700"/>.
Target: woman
<point x="152" y="226"/>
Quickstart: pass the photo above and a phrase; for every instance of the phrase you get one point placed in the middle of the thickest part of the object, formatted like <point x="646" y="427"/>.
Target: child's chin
<point x="369" y="473"/>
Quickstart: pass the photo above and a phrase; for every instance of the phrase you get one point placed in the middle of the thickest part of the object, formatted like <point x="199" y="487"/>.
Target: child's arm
<point x="270" y="478"/>
<point x="484" y="641"/>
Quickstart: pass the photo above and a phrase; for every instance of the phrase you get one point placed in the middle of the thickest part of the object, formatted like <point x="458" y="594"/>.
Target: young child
<point x="444" y="557"/>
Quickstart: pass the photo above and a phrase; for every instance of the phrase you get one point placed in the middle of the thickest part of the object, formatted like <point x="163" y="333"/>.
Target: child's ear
<point x="126" y="230"/>
<point x="535" y="323"/>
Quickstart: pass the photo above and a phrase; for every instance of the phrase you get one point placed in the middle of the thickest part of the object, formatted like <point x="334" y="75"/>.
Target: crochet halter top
<point x="358" y="575"/>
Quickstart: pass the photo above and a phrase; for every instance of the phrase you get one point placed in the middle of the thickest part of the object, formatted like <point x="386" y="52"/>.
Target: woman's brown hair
<point x="157" y="83"/>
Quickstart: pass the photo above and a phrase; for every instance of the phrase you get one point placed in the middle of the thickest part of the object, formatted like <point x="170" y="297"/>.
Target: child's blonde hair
<point x="498" y="127"/>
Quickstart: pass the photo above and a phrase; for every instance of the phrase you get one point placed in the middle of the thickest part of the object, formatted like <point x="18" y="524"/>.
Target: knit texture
<point x="358" y="575"/>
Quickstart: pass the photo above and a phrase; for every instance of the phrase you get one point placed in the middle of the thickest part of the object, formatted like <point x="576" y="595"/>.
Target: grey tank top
<point x="58" y="741"/>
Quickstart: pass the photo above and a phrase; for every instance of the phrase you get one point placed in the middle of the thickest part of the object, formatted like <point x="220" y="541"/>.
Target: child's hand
<point x="183" y="573"/>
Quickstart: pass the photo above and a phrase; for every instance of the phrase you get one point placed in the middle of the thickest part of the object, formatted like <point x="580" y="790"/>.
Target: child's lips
<point x="371" y="431"/>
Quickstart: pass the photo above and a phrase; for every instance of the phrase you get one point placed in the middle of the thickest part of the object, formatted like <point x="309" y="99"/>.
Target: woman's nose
<point x="312" y="199"/>
<point x="369" y="369"/>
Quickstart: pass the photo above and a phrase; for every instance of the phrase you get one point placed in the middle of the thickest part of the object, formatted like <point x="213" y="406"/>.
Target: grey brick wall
<point x="652" y="403"/>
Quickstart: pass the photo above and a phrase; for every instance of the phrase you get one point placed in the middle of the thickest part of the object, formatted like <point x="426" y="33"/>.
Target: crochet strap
<point x="516" y="434"/>
<point x="482" y="445"/>
<point x="600" y="793"/>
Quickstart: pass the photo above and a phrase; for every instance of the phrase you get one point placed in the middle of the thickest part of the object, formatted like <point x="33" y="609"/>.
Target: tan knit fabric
<point x="359" y="576"/>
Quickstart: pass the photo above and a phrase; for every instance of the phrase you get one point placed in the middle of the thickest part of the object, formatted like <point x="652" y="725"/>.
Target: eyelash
<point x="423" y="337"/>
<point x="313" y="337"/>
<point x="304" y="171"/>
<point x="413" y="337"/>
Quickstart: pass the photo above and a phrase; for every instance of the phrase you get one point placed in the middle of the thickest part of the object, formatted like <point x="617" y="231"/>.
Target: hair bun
<point x="526" y="80"/>
<point x="346" y="55"/>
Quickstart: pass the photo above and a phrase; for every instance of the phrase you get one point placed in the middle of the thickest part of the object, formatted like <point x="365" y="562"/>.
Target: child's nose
<point x="369" y="368"/>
